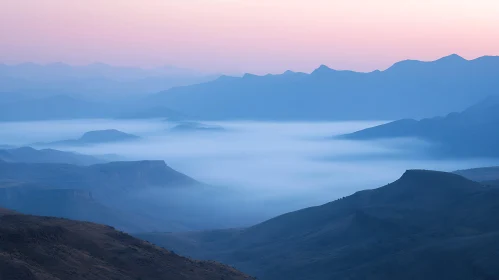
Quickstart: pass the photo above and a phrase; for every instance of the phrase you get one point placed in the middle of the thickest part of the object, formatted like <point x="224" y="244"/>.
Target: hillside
<point x="69" y="203"/>
<point x="487" y="175"/>
<point x="426" y="225"/>
<point x="31" y="155"/>
<point x="469" y="133"/>
<point x="112" y="176"/>
<point x="94" y="137"/>
<point x="408" y="89"/>
<point x="36" y="248"/>
<point x="121" y="194"/>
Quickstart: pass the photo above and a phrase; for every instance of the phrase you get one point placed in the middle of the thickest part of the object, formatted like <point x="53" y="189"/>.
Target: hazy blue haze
<point x="96" y="81"/>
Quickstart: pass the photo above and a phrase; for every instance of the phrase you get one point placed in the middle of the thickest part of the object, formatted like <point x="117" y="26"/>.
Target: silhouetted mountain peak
<point x="25" y="149"/>
<point x="323" y="69"/>
<point x="145" y="173"/>
<point x="249" y="76"/>
<point x="106" y="135"/>
<point x="412" y="175"/>
<point x="422" y="220"/>
<point x="411" y="65"/>
<point x="431" y="180"/>
<point x="452" y="57"/>
<point x="226" y="78"/>
<point x="404" y="64"/>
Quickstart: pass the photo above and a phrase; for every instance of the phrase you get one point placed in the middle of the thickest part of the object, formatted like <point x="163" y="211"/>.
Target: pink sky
<point x="257" y="36"/>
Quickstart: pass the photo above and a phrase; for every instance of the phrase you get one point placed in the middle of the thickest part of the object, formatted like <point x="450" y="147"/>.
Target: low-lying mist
<point x="255" y="170"/>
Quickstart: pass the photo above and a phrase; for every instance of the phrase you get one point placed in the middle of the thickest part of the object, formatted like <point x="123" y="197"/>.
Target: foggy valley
<point x="243" y="140"/>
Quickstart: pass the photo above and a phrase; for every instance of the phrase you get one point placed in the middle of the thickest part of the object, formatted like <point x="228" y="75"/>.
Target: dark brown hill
<point x="33" y="247"/>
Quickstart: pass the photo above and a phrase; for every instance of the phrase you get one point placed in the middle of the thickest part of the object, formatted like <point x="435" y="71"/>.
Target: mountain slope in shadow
<point x="68" y="203"/>
<point x="469" y="133"/>
<point x="127" y="175"/>
<point x="426" y="225"/>
<point x="36" y="248"/>
<point x="95" y="137"/>
<point x="486" y="175"/>
<point x="31" y="155"/>
<point x="116" y="193"/>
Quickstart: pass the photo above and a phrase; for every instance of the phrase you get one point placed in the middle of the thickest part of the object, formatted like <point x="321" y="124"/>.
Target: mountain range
<point x="96" y="81"/>
<point x="408" y="89"/>
<point x="113" y="176"/>
<point x="31" y="155"/>
<point x="471" y="133"/>
<point x="426" y="225"/>
<point x="42" y="248"/>
<point x="115" y="193"/>
<point x="94" y="137"/>
<point x="486" y="175"/>
<point x="69" y="203"/>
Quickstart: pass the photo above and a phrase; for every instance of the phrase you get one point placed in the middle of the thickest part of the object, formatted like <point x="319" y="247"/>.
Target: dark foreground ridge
<point x="426" y="225"/>
<point x="36" y="248"/>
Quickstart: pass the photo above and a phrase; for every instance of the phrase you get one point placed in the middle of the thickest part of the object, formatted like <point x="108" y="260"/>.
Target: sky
<point x="238" y="36"/>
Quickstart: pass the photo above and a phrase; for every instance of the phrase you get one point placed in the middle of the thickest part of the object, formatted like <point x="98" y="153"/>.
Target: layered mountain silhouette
<point x="36" y="248"/>
<point x="98" y="81"/>
<point x="114" y="193"/>
<point x="487" y="175"/>
<point x="469" y="133"/>
<point x="31" y="155"/>
<point x="68" y="203"/>
<point x="408" y="89"/>
<point x="95" y="137"/>
<point x="426" y="225"/>
<point x="128" y="175"/>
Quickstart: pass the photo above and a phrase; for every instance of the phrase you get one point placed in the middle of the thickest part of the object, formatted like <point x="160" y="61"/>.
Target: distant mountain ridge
<point x="31" y="155"/>
<point x="95" y="137"/>
<point x="97" y="82"/>
<point x="487" y="175"/>
<point x="469" y="133"/>
<point x="407" y="89"/>
<point x="103" y="193"/>
<point x="109" y="176"/>
<point x="426" y="225"/>
<point x="67" y="203"/>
